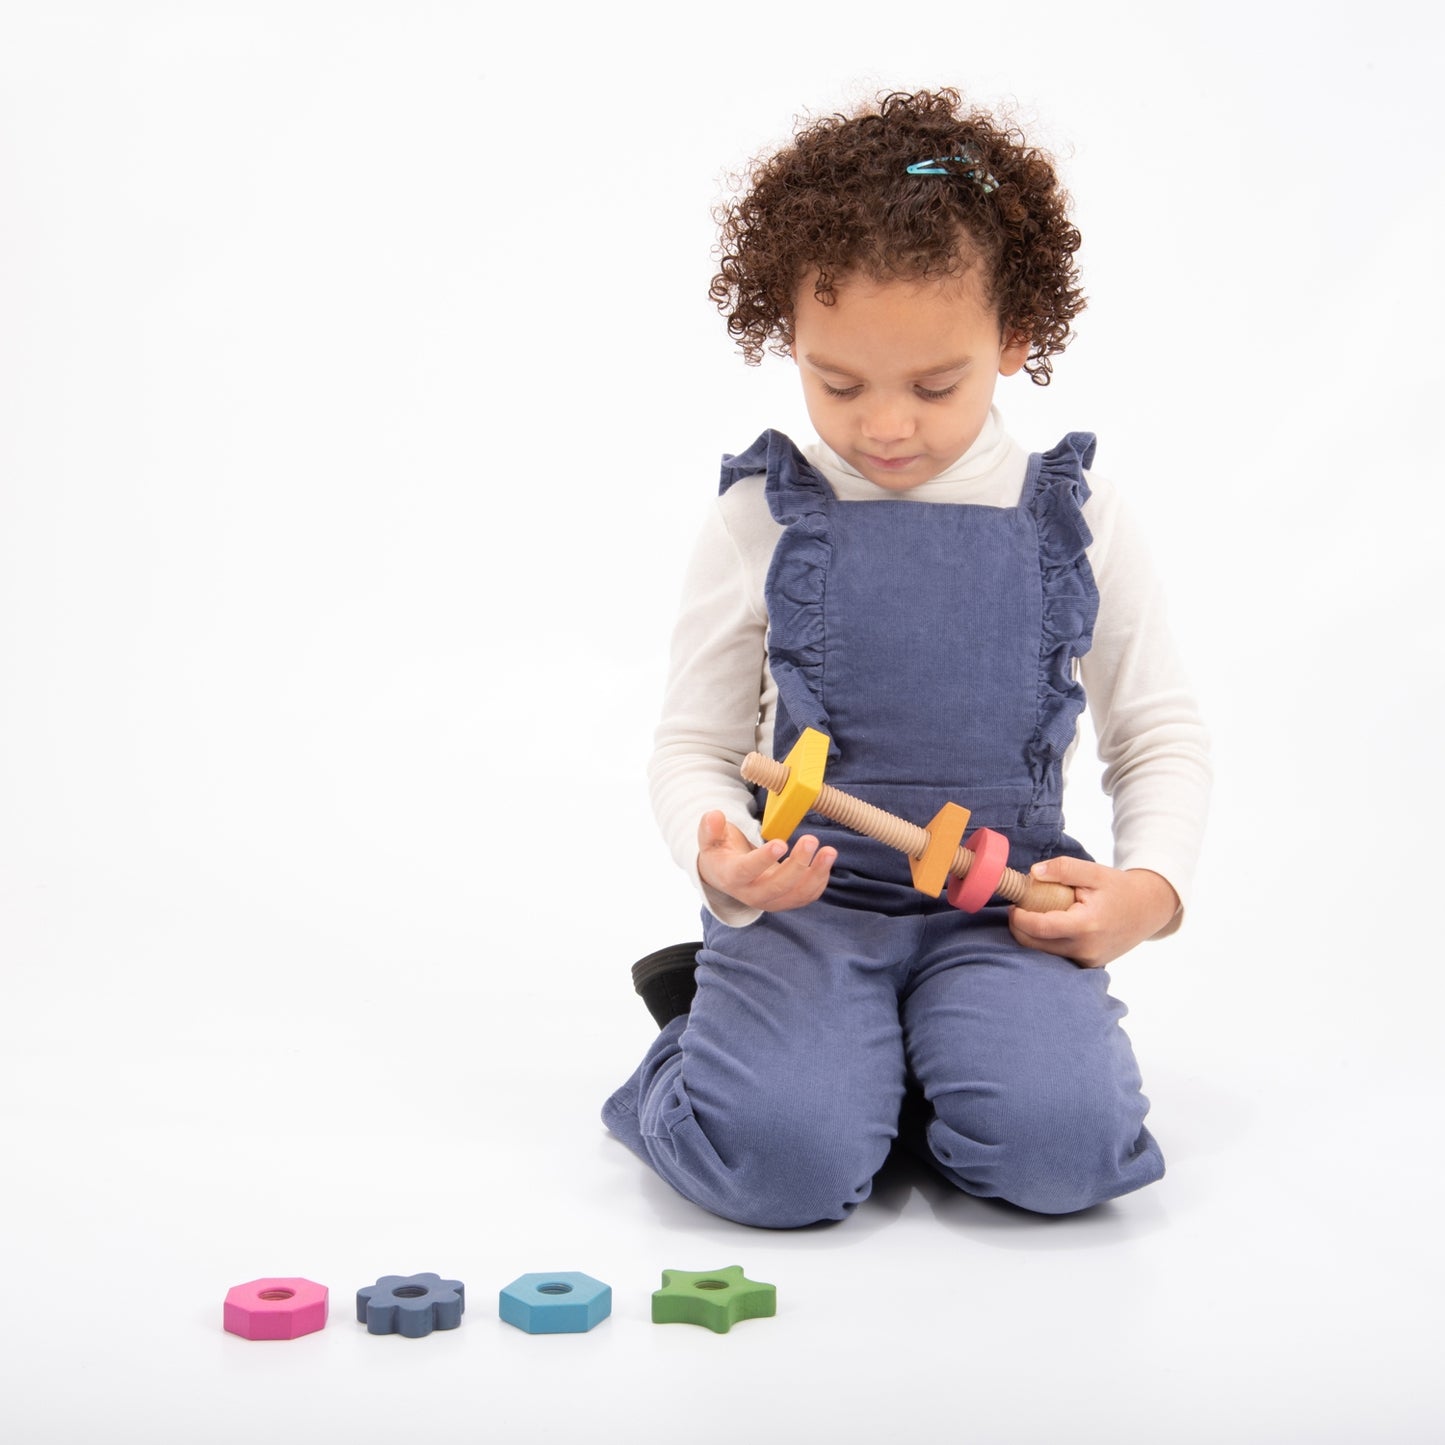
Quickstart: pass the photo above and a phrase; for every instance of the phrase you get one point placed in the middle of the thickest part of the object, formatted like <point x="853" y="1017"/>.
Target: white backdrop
<point x="359" y="397"/>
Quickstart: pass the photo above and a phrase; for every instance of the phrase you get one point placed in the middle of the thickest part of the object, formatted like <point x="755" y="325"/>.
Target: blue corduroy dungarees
<point x="936" y="646"/>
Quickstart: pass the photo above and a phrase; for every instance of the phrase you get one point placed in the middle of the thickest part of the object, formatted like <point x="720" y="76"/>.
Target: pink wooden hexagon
<point x="276" y="1309"/>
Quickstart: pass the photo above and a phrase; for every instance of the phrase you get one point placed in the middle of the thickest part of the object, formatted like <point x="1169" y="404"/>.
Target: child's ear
<point x="1015" y="352"/>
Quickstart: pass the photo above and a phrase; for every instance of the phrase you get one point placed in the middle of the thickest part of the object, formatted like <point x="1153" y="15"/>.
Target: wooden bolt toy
<point x="926" y="848"/>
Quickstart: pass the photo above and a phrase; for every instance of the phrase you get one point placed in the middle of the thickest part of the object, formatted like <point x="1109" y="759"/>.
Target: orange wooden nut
<point x="805" y="763"/>
<point x="990" y="858"/>
<point x="945" y="832"/>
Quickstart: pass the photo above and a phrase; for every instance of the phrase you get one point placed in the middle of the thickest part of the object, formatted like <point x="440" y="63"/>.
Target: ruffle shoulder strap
<point x="1054" y="493"/>
<point x="799" y="498"/>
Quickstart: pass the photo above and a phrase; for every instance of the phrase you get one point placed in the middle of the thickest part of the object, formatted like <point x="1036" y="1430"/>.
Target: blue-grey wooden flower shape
<point x="410" y="1304"/>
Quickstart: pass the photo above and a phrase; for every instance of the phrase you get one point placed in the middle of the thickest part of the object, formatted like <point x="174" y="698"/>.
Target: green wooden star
<point x="717" y="1299"/>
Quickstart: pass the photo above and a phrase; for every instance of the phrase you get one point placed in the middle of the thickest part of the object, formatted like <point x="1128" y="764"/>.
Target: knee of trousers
<point x="783" y="1171"/>
<point x="753" y="1149"/>
<point x="1049" y="1150"/>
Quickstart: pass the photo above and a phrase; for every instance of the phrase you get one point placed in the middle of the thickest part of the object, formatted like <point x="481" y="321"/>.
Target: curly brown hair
<point x="839" y="200"/>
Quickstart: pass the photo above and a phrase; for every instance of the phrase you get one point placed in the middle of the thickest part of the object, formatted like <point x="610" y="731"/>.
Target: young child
<point x="935" y="601"/>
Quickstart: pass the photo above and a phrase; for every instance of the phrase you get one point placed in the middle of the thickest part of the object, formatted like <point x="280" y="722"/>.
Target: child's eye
<point x="926" y="393"/>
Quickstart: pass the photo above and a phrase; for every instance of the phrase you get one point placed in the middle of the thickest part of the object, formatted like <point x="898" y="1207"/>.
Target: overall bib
<point x="936" y="646"/>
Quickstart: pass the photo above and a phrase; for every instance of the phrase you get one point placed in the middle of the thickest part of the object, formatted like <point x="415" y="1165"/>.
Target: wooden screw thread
<point x="895" y="832"/>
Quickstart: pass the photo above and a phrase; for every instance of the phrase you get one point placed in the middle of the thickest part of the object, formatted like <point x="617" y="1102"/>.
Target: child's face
<point x="899" y="375"/>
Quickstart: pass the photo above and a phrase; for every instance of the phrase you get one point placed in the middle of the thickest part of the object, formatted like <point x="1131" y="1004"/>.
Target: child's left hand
<point x="1112" y="911"/>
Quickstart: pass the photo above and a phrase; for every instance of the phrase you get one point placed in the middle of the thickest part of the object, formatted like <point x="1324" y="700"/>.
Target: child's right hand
<point x="769" y="878"/>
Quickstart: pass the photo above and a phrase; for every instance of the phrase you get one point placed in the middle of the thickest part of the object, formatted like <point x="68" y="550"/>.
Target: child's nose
<point x="887" y="421"/>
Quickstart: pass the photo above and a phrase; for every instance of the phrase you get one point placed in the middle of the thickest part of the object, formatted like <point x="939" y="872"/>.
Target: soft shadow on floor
<point x="906" y="1183"/>
<point x="904" y="1187"/>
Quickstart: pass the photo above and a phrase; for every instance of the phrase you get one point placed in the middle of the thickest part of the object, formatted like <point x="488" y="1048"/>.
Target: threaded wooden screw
<point x="895" y="832"/>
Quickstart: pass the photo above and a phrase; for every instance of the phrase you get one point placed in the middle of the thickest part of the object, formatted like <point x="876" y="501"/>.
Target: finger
<point x="1063" y="947"/>
<point x="714" y="831"/>
<point x="768" y="876"/>
<point x="785" y="873"/>
<point x="810" y="872"/>
<point x="1020" y="924"/>
<point x="1048" y="932"/>
<point x="711" y="831"/>
<point x="805" y="850"/>
<point x="1077" y="872"/>
<point x="754" y="865"/>
<point x="800" y="879"/>
<point x="735" y="872"/>
<point x="1052" y="927"/>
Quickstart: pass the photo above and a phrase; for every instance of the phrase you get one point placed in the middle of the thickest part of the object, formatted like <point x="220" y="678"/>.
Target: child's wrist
<point x="1157" y="900"/>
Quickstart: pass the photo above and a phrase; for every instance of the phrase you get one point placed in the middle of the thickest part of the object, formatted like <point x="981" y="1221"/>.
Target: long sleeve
<point x="718" y="688"/>
<point x="1152" y="740"/>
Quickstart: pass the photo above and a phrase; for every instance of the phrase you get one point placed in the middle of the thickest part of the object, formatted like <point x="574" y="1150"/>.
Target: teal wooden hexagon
<point x="716" y="1299"/>
<point x="567" y="1303"/>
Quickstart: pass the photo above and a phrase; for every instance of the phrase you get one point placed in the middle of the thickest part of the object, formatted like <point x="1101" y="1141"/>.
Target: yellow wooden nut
<point x="805" y="764"/>
<point x="945" y="833"/>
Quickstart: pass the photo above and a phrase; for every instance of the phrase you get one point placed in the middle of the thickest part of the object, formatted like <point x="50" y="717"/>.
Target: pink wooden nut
<point x="276" y="1309"/>
<point x="977" y="886"/>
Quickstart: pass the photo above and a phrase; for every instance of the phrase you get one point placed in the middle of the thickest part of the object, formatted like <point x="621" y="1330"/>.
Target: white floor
<point x="203" y="1090"/>
<point x="334" y="590"/>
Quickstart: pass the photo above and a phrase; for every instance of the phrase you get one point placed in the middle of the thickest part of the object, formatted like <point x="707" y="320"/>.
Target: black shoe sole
<point x="680" y="956"/>
<point x="666" y="981"/>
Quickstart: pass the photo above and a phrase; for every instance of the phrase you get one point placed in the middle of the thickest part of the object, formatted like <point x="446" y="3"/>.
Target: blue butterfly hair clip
<point x="944" y="166"/>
